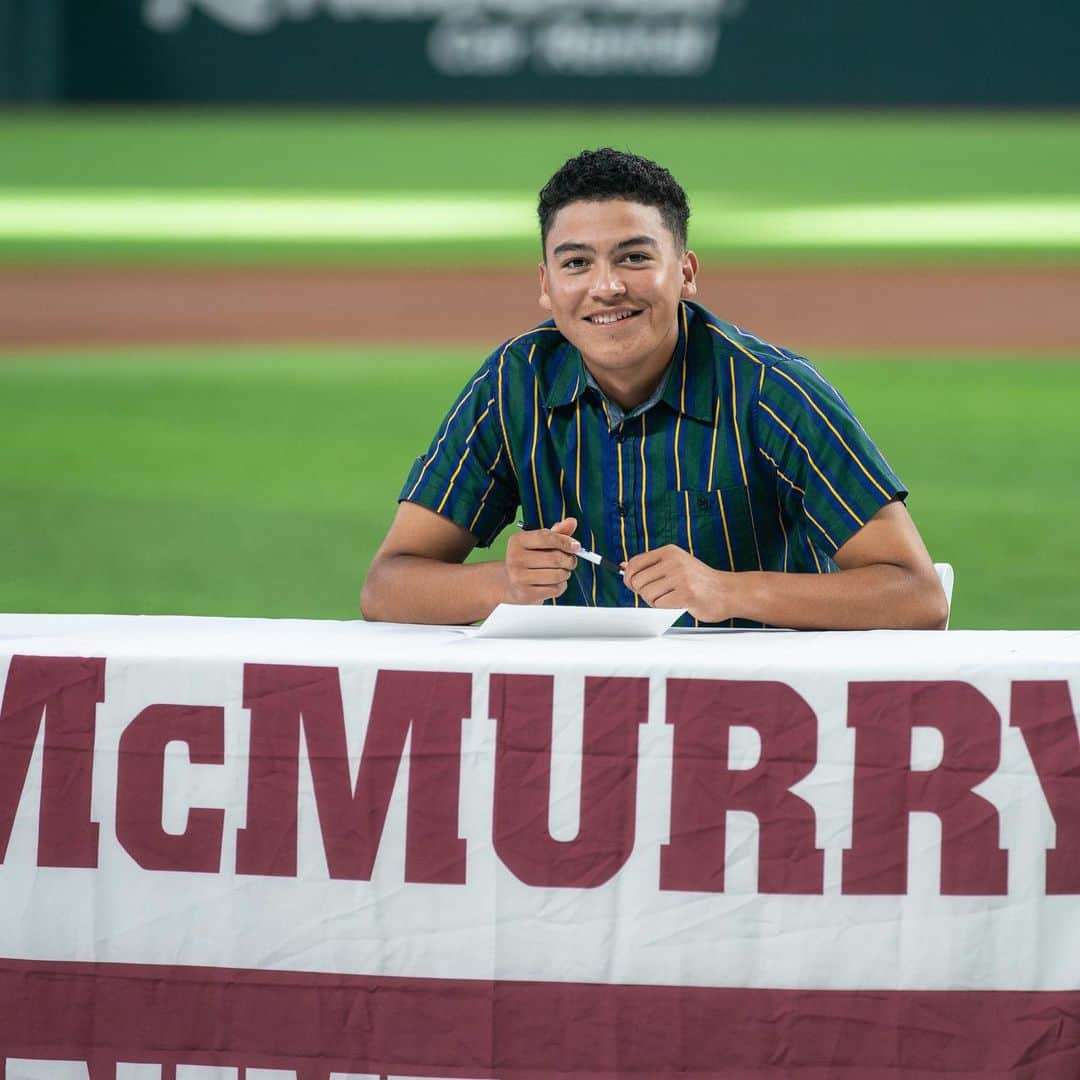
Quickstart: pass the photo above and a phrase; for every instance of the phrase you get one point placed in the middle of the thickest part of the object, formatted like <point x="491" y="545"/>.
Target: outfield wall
<point x="830" y="52"/>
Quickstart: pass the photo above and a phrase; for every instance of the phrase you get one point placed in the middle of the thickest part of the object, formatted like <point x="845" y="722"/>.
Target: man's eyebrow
<point x="633" y="241"/>
<point x="571" y="245"/>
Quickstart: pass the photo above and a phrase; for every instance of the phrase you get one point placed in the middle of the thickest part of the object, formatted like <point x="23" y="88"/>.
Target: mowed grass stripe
<point x="195" y="217"/>
<point x="378" y="218"/>
<point x="813" y="156"/>
<point x="259" y="482"/>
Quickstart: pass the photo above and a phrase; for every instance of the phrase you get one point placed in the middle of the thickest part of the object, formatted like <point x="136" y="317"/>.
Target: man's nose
<point x="606" y="283"/>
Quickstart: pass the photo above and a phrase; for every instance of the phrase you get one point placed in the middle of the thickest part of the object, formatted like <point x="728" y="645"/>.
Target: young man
<point x="723" y="474"/>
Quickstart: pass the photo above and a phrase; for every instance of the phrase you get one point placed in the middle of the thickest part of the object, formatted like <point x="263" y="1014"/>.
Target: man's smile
<point x="607" y="318"/>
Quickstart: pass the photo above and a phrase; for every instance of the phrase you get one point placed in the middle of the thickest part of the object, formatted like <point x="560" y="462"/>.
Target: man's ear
<point x="689" y="273"/>
<point x="545" y="300"/>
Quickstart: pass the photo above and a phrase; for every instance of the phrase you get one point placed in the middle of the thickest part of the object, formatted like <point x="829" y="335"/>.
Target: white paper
<point x="544" y="621"/>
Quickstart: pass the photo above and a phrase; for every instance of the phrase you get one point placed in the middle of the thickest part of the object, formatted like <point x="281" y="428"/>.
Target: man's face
<point x="612" y="279"/>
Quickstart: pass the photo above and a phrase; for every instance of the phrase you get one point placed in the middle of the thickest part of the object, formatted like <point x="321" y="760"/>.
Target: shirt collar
<point x="691" y="384"/>
<point x="563" y="378"/>
<point x="689" y="387"/>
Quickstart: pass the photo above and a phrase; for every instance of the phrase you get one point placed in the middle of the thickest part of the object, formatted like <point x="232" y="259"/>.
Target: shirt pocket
<point x="716" y="526"/>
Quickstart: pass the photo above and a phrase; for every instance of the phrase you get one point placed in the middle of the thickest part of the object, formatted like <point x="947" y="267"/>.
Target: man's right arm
<point x="419" y="574"/>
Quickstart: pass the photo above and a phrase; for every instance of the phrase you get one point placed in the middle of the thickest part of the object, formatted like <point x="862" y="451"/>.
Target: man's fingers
<point x="654" y="590"/>
<point x="544" y="577"/>
<point x="537" y="594"/>
<point x="543" y="592"/>
<point x="545" y="559"/>
<point x="640" y="575"/>
<point x="641" y="562"/>
<point x="667" y="598"/>
<point x="548" y="540"/>
<point x="640" y="581"/>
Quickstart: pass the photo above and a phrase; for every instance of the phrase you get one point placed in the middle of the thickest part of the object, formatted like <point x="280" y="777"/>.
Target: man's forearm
<point x="879" y="596"/>
<point x="886" y="581"/>
<point x="411" y="588"/>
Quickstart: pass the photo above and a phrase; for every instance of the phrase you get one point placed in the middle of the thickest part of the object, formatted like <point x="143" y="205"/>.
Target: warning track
<point x="803" y="307"/>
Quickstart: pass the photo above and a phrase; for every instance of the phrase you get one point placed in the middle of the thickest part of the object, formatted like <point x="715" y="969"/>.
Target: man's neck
<point x="629" y="388"/>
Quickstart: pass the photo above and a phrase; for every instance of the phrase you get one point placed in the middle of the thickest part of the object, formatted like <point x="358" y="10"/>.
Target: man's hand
<point x="886" y="580"/>
<point x="539" y="562"/>
<point x="669" y="577"/>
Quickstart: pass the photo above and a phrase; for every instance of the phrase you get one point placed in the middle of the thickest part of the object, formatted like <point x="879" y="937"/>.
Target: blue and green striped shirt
<point x="747" y="458"/>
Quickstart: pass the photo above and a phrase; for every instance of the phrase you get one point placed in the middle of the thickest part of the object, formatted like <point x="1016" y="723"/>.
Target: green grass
<point x="990" y="452"/>
<point x="258" y="482"/>
<point x="204" y="481"/>
<point x="783" y="156"/>
<point x="769" y="159"/>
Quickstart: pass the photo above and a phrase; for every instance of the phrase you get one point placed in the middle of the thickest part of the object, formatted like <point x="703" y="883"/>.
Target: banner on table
<point x="377" y="871"/>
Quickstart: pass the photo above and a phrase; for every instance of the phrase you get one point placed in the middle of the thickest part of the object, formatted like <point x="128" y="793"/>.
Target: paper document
<point x="543" y="621"/>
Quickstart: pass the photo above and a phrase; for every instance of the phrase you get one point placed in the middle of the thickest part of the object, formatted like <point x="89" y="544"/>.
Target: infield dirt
<point x="805" y="308"/>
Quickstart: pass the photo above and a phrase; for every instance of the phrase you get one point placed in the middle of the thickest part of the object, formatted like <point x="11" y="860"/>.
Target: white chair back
<point x="946" y="577"/>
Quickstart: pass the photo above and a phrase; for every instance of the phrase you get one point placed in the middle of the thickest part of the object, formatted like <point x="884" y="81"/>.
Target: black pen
<point x="590" y="556"/>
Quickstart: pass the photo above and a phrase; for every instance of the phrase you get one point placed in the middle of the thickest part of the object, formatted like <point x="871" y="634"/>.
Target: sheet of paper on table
<point x="544" y="621"/>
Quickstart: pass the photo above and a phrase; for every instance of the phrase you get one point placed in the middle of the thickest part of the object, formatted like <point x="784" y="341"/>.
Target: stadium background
<point x="249" y="250"/>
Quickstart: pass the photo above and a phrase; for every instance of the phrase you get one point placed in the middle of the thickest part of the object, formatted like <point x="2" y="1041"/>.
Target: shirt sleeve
<point x="829" y="472"/>
<point x="465" y="474"/>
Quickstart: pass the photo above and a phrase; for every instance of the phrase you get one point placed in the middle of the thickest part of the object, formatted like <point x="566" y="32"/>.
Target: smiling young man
<point x="722" y="473"/>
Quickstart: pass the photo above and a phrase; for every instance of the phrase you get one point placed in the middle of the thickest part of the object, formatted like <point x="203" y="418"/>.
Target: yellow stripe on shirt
<point x="853" y="455"/>
<point x="727" y="540"/>
<point x="487" y="490"/>
<point x="813" y="464"/>
<point x="682" y="405"/>
<point x="732" y="341"/>
<point x="772" y="461"/>
<point x="532" y="452"/>
<point x="780" y="519"/>
<point x="446" y="429"/>
<point x="644" y="478"/>
<point x="814" y="521"/>
<point x="502" y="362"/>
<point x="689" y="532"/>
<point x="468" y="450"/>
<point x="622" y="517"/>
<point x="715" y="430"/>
<point x="577" y="472"/>
<point x="735" y="420"/>
<point x="742" y="460"/>
<point x="727" y="535"/>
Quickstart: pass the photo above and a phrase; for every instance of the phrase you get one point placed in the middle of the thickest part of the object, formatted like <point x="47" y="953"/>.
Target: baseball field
<point x="224" y="336"/>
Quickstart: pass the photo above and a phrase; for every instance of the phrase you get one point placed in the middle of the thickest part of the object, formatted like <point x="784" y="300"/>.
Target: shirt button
<point x="622" y="510"/>
<point x="703" y="503"/>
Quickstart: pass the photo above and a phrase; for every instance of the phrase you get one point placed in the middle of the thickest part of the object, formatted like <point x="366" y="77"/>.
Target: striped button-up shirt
<point x="746" y="457"/>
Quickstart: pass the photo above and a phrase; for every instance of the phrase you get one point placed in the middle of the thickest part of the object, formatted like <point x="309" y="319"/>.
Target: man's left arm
<point x="829" y="475"/>
<point x="885" y="580"/>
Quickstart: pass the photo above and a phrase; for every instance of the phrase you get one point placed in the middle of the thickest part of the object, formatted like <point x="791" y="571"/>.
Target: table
<point x="238" y="849"/>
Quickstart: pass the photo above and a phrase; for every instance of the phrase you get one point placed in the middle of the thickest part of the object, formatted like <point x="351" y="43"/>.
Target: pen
<point x="590" y="556"/>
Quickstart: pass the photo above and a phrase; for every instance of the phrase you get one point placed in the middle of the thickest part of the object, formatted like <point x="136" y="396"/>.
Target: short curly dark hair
<point x="597" y="175"/>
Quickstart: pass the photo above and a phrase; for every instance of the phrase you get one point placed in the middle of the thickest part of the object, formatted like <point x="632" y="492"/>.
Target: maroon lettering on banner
<point x="319" y="1024"/>
<point x="704" y="787"/>
<point x="523" y="707"/>
<point x="1043" y="712"/>
<point x="432" y="704"/>
<point x="140" y="788"/>
<point x="888" y="790"/>
<point x="65" y="690"/>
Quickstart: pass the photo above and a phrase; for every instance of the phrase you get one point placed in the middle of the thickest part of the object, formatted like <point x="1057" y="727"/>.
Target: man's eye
<point x="573" y="264"/>
<point x="636" y="257"/>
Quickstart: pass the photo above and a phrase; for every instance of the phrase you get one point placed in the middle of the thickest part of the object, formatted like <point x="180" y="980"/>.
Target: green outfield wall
<point x="816" y="52"/>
